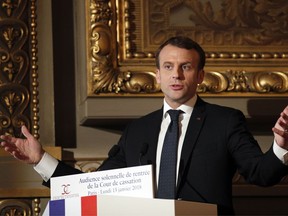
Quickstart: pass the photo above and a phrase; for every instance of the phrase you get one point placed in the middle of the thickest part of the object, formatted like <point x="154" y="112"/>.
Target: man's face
<point x="178" y="74"/>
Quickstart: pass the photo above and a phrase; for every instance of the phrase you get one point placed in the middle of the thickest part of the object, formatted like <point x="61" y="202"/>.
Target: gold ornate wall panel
<point x="20" y="206"/>
<point x="245" y="42"/>
<point x="14" y="207"/>
<point x="18" y="67"/>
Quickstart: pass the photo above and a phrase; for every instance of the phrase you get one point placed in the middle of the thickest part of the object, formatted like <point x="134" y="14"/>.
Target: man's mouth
<point x="176" y="86"/>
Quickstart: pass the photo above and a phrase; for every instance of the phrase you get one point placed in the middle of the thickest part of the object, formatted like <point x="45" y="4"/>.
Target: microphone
<point x="112" y="153"/>
<point x="142" y="152"/>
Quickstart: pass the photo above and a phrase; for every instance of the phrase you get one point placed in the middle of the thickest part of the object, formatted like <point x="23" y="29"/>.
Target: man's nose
<point x="176" y="72"/>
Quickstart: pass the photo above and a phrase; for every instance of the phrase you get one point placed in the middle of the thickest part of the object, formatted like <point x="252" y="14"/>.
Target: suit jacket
<point x="217" y="143"/>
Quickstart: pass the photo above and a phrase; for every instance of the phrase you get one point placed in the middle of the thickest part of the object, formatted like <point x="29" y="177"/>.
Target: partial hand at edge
<point x="281" y="129"/>
<point x="27" y="150"/>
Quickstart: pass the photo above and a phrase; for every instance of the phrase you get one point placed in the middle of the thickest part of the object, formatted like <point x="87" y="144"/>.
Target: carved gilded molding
<point x="18" y="67"/>
<point x="88" y="166"/>
<point x="15" y="207"/>
<point x="248" y="42"/>
<point x="20" y="206"/>
<point x="245" y="82"/>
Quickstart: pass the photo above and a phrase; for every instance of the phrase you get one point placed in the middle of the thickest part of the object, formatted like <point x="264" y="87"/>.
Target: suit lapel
<point x="153" y="133"/>
<point x="194" y="127"/>
<point x="154" y="129"/>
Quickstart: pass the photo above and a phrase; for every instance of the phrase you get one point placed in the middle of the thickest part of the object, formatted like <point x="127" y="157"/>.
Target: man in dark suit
<point x="214" y="140"/>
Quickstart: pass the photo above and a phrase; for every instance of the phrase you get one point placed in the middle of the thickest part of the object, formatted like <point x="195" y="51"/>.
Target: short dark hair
<point x="185" y="43"/>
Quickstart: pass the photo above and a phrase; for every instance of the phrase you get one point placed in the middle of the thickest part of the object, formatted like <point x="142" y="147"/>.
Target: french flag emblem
<point x="85" y="206"/>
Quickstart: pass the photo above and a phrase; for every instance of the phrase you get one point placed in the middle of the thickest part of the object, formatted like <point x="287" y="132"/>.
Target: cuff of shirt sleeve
<point x="46" y="166"/>
<point x="281" y="153"/>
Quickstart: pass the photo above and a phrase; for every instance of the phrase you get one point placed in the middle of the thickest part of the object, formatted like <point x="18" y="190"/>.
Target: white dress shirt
<point x="184" y="118"/>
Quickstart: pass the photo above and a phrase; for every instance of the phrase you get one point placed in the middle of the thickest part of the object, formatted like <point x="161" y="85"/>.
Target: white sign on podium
<point x="127" y="191"/>
<point x="133" y="181"/>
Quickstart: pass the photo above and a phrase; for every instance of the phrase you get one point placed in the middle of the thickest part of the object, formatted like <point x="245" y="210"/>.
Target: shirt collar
<point x="187" y="108"/>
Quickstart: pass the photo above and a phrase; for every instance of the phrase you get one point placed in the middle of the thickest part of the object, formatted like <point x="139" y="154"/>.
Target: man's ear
<point x="158" y="78"/>
<point x="201" y="75"/>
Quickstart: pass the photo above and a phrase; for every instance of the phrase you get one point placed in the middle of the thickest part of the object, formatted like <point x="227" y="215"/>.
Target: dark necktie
<point x="167" y="172"/>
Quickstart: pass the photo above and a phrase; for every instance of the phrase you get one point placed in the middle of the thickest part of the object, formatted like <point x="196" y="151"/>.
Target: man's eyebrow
<point x="167" y="62"/>
<point x="187" y="62"/>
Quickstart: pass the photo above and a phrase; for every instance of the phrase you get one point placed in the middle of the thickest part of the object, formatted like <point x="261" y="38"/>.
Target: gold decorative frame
<point x="245" y="42"/>
<point x="18" y="67"/>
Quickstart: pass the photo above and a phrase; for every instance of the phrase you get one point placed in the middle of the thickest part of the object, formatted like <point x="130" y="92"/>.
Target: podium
<point x="106" y="205"/>
<point x="126" y="191"/>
